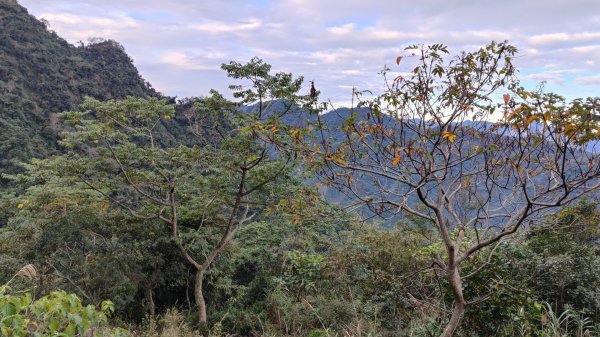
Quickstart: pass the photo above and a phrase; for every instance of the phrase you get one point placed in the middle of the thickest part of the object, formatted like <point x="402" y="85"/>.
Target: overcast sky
<point x="179" y="45"/>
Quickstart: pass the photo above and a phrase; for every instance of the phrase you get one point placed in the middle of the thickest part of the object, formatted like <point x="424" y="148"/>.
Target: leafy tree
<point x="428" y="147"/>
<point x="203" y="193"/>
<point x="561" y="259"/>
<point x="150" y="182"/>
<point x="256" y="284"/>
<point x="82" y="244"/>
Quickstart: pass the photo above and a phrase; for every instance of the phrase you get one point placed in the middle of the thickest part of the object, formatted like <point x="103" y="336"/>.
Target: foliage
<point x="167" y="210"/>
<point x="427" y="147"/>
<point x="117" y="166"/>
<point x="303" y="271"/>
<point x="171" y="323"/>
<point x="561" y="260"/>
<point x="84" y="246"/>
<point x="42" y="75"/>
<point x="56" y="314"/>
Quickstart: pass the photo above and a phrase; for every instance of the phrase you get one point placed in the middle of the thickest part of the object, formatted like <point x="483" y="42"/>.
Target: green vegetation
<point x="55" y="314"/>
<point x="426" y="147"/>
<point x="133" y="216"/>
<point x="42" y="75"/>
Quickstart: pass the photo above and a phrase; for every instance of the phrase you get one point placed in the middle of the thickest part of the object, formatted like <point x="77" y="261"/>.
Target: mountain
<point x="41" y="74"/>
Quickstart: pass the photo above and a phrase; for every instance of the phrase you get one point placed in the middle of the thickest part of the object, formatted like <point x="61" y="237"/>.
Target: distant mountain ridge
<point x="41" y="74"/>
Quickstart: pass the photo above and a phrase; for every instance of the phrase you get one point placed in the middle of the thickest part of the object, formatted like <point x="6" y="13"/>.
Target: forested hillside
<point x="41" y="74"/>
<point x="431" y="209"/>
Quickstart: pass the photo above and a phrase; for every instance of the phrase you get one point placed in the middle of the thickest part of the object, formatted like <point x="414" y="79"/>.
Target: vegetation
<point x="54" y="314"/>
<point x="141" y="217"/>
<point x="427" y="148"/>
<point x="42" y="75"/>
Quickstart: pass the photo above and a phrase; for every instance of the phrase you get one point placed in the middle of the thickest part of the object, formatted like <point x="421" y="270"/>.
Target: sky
<point x="179" y="45"/>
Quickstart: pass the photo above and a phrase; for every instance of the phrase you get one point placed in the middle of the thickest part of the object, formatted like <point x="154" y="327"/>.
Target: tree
<point x="433" y="146"/>
<point x="561" y="259"/>
<point x="83" y="245"/>
<point x="205" y="192"/>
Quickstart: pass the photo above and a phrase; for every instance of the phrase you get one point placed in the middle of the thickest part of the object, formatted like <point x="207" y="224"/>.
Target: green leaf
<point x="8" y="309"/>
<point x="53" y="325"/>
<point x="70" y="330"/>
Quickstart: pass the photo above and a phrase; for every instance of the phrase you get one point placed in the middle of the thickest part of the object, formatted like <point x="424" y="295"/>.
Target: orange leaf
<point x="398" y="59"/>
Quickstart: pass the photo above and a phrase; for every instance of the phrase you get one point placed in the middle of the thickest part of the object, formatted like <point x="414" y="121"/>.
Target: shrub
<point x="56" y="314"/>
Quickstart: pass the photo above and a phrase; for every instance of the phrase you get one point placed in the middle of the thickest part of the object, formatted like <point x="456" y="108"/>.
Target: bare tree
<point x="460" y="144"/>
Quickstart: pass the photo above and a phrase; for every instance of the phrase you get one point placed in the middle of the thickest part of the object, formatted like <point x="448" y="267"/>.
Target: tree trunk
<point x="199" y="296"/>
<point x="460" y="304"/>
<point x="149" y="300"/>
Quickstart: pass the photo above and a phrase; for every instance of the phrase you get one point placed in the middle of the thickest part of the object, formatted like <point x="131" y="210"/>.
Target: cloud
<point x="590" y="80"/>
<point x="564" y="37"/>
<point x="557" y="77"/>
<point x="82" y="27"/>
<point x="179" y="46"/>
<point x="221" y="27"/>
<point x="121" y="21"/>
<point x="185" y="61"/>
<point x="344" y="29"/>
<point x="586" y="49"/>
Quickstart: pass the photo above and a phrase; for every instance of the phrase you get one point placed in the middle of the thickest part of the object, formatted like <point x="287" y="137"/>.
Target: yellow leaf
<point x="569" y="128"/>
<point x="396" y="160"/>
<point x="449" y="136"/>
<point x="19" y="206"/>
<point x="530" y="119"/>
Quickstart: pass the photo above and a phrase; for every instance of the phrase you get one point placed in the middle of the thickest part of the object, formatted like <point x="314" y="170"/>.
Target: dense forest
<point x="432" y="209"/>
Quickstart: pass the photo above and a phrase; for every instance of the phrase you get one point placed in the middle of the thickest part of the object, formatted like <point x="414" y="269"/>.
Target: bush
<point x="56" y="314"/>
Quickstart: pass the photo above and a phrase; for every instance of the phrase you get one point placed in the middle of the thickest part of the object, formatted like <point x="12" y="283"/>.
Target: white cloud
<point x="343" y="29"/>
<point x="337" y="43"/>
<point x="120" y="21"/>
<point x="220" y="27"/>
<point x="185" y="61"/>
<point x="590" y="80"/>
<point x="557" y="77"/>
<point x="564" y="37"/>
<point x="482" y="35"/>
<point x="586" y="49"/>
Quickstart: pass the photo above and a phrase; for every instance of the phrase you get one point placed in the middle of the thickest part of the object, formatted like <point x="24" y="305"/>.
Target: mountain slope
<point x="41" y="74"/>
